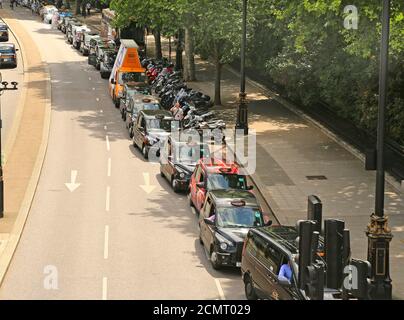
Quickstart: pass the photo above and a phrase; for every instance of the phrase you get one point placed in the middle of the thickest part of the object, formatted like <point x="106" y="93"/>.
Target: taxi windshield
<point x="158" y="125"/>
<point x="125" y="77"/>
<point x="191" y="153"/>
<point x="146" y="106"/>
<point x="239" y="217"/>
<point x="226" y="181"/>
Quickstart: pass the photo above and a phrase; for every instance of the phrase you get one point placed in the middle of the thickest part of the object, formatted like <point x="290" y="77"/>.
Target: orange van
<point x="127" y="68"/>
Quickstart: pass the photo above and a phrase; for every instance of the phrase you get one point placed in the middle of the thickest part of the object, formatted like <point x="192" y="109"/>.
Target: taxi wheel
<point x="200" y="236"/>
<point x="174" y="184"/>
<point x="191" y="204"/>
<point x="145" y="152"/>
<point x="249" y="289"/>
<point x="214" y="259"/>
<point x="131" y="132"/>
<point x="161" y="172"/>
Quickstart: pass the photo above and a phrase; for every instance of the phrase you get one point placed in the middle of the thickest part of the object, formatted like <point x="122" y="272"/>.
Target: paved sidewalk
<point x="24" y="161"/>
<point x="290" y="150"/>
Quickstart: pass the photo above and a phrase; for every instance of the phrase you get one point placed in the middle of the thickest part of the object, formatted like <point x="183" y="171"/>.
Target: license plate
<point x="238" y="264"/>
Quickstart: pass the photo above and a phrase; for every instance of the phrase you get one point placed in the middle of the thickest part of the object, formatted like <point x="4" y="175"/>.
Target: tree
<point x="218" y="35"/>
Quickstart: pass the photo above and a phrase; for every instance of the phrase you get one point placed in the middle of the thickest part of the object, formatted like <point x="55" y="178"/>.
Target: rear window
<point x="7" y="49"/>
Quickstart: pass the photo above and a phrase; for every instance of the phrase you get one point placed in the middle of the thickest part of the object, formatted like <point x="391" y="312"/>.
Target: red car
<point x="214" y="174"/>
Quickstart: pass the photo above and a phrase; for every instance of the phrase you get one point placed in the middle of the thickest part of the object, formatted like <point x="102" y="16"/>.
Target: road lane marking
<point x="219" y="288"/>
<point x="107" y="141"/>
<point x="89" y="78"/>
<point x="109" y="167"/>
<point x="101" y="111"/>
<point x="106" y="242"/>
<point x="104" y="288"/>
<point x="105" y="127"/>
<point x="98" y="99"/>
<point x="93" y="88"/>
<point x="107" y="200"/>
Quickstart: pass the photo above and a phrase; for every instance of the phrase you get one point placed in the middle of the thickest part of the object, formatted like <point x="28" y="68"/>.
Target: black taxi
<point x="178" y="160"/>
<point x="224" y="221"/>
<point x="151" y="129"/>
<point x="3" y="32"/>
<point x="266" y="251"/>
<point x="129" y="90"/>
<point x="8" y="55"/>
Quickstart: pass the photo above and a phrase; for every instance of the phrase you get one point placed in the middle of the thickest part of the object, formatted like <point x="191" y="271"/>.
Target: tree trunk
<point x="218" y="78"/>
<point x="78" y="7"/>
<point x="179" y="50"/>
<point x="189" y="68"/>
<point x="157" y="44"/>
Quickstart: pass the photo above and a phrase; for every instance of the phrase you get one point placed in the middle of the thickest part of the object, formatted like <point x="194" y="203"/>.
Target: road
<point x="107" y="239"/>
<point x="10" y="99"/>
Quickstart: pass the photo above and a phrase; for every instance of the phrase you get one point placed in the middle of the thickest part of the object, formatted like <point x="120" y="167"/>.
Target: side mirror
<point x="200" y="185"/>
<point x="284" y="283"/>
<point x="113" y="81"/>
<point x="209" y="222"/>
<point x="249" y="188"/>
<point x="268" y="223"/>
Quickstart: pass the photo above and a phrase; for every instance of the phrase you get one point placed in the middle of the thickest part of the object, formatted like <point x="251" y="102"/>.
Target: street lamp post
<point x="242" y="111"/>
<point x="2" y="89"/>
<point x="378" y="233"/>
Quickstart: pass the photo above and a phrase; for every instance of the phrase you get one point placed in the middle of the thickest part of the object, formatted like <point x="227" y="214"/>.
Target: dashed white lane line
<point x="109" y="167"/>
<point x="107" y="199"/>
<point x="107" y="141"/>
<point x="104" y="288"/>
<point x="105" y="127"/>
<point x="220" y="290"/>
<point x="106" y="242"/>
<point x="97" y="99"/>
<point x="89" y="78"/>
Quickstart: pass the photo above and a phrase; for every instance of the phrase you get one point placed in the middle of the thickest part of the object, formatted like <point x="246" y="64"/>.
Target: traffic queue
<point x="8" y="51"/>
<point x="159" y="111"/>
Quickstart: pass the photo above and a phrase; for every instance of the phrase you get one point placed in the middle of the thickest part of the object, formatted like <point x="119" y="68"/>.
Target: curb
<point x="16" y="232"/>
<point x="351" y="149"/>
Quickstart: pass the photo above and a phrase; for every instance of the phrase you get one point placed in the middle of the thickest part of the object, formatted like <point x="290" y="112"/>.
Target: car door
<point x="204" y="227"/>
<point x="271" y="265"/>
<point x="210" y="230"/>
<point x="138" y="131"/>
<point x="164" y="158"/>
<point x="200" y="191"/>
<point x="192" y="183"/>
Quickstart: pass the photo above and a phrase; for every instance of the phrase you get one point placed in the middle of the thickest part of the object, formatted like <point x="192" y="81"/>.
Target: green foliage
<point x="302" y="46"/>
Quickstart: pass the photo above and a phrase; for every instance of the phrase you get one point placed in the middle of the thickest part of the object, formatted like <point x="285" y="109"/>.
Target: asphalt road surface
<point x="9" y="99"/>
<point x="108" y="239"/>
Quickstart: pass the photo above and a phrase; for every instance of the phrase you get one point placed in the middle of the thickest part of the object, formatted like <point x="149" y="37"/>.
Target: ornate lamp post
<point x="379" y="235"/>
<point x="242" y="111"/>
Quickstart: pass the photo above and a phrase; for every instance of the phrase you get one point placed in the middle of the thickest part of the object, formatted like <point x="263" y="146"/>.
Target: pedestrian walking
<point x="88" y="6"/>
<point x="1" y="4"/>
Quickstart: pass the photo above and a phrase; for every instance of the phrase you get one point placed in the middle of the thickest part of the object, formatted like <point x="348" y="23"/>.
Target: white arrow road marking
<point x="147" y="187"/>
<point x="72" y="185"/>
